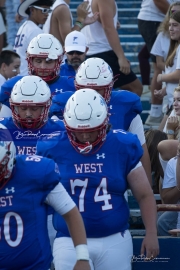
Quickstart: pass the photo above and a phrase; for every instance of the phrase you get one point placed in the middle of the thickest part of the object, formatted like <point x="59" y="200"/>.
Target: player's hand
<point x="18" y="18"/>
<point x="124" y="65"/>
<point x="82" y="265"/>
<point x="160" y="93"/>
<point x="172" y="123"/>
<point x="83" y="11"/>
<point x="150" y="246"/>
<point x="92" y="19"/>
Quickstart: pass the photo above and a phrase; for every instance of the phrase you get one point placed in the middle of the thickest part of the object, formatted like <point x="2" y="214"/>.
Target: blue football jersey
<point x="58" y="104"/>
<point x="61" y="84"/>
<point x="123" y="108"/>
<point x="67" y="70"/>
<point x="24" y="241"/>
<point x="25" y="139"/>
<point x="95" y="182"/>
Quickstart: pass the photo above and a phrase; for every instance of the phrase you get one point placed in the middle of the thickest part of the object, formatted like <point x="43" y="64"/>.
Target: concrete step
<point x="132" y="46"/>
<point x="129" y="29"/>
<point x="131" y="38"/>
<point x="120" y="4"/>
<point x="122" y="12"/>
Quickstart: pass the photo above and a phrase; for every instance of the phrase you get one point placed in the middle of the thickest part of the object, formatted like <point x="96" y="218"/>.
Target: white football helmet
<point x="7" y="155"/>
<point x="96" y="74"/>
<point x="86" y="111"/>
<point x="30" y="91"/>
<point x="48" y="47"/>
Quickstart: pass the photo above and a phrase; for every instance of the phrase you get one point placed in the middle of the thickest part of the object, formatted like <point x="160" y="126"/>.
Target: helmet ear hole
<point x="96" y="74"/>
<point x="86" y="111"/>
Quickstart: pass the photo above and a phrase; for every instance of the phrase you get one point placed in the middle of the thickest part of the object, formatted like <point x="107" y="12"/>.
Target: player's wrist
<point x="82" y="252"/>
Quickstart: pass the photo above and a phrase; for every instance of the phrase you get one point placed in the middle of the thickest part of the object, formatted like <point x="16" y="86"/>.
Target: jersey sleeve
<point x="51" y="178"/>
<point x="47" y="146"/>
<point x="136" y="127"/>
<point x="130" y="147"/>
<point x="135" y="152"/>
<point x="6" y="88"/>
<point x="60" y="200"/>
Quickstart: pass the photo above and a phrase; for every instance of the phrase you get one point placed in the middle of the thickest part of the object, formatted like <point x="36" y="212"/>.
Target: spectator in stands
<point x="36" y="12"/>
<point x="170" y="195"/>
<point x="103" y="42"/>
<point x="75" y="49"/>
<point x="151" y="14"/>
<point x="160" y="50"/>
<point x="167" y="149"/>
<point x="9" y="67"/>
<point x="172" y="66"/>
<point x="60" y="21"/>
<point x="2" y="31"/>
<point x="153" y="138"/>
<point x="44" y="56"/>
<point x="12" y="25"/>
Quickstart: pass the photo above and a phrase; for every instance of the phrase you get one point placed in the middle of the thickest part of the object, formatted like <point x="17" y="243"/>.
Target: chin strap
<point x="86" y="149"/>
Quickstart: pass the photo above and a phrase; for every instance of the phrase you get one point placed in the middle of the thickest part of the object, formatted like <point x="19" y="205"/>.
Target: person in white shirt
<point x="2" y="31"/>
<point x="170" y="195"/>
<point x="9" y="67"/>
<point x="36" y="12"/>
<point x="103" y="42"/>
<point x="60" y="22"/>
<point x="172" y="62"/>
<point x="151" y="14"/>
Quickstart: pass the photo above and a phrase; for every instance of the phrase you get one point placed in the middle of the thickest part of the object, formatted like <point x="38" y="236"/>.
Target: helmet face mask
<point x="86" y="112"/>
<point x="45" y="47"/>
<point x="7" y="156"/>
<point x="95" y="74"/>
<point x="32" y="93"/>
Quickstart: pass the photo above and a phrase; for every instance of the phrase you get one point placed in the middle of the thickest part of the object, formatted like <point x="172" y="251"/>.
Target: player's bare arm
<point x="142" y="191"/>
<point x="78" y="235"/>
<point x="106" y="9"/>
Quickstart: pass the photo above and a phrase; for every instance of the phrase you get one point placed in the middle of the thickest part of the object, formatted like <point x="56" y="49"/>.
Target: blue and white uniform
<point x="67" y="70"/>
<point x="58" y="104"/>
<point x="59" y="85"/>
<point x="23" y="216"/>
<point x="97" y="184"/>
<point x="25" y="139"/>
<point x="124" y="108"/>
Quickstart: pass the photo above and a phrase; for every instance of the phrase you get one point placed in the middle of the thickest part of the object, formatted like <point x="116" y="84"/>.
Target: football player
<point x="124" y="106"/>
<point x="27" y="185"/>
<point x="97" y="164"/>
<point x="30" y="101"/>
<point x="44" y="56"/>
